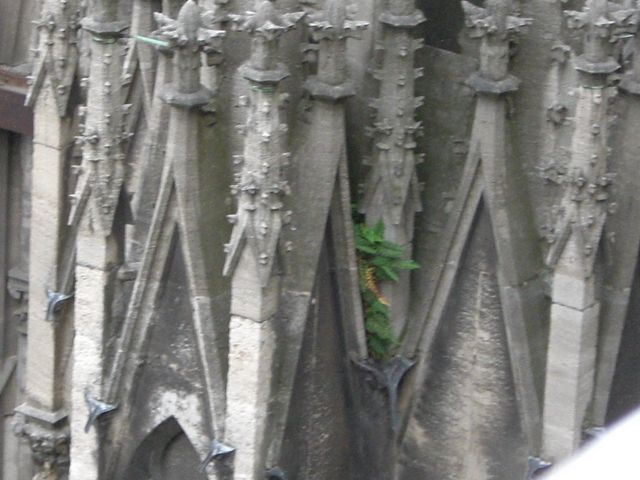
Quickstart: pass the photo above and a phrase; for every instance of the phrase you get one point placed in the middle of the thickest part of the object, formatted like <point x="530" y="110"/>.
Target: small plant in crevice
<point x="379" y="260"/>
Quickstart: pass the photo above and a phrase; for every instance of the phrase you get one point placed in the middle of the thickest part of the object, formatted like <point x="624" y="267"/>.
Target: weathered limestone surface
<point x="256" y="251"/>
<point x="176" y="216"/>
<point x="492" y="178"/>
<point x="15" y="183"/>
<point x="271" y="360"/>
<point x="320" y="436"/>
<point x="170" y="385"/>
<point x="578" y="234"/>
<point x="95" y="208"/>
<point x="470" y="384"/>
<point x="622" y="241"/>
<point x="43" y="413"/>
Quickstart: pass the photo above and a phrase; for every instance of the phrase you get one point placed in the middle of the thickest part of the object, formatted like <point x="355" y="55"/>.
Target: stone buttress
<point x="581" y="214"/>
<point x="42" y="420"/>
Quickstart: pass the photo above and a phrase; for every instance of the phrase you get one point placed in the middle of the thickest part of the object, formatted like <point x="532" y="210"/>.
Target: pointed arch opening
<point x="165" y="454"/>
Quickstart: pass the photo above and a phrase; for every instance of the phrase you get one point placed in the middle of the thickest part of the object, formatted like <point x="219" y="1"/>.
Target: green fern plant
<point x="379" y="260"/>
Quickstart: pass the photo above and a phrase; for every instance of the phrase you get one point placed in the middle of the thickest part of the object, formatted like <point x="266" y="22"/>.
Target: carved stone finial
<point x="103" y="22"/>
<point x="266" y="25"/>
<point x="331" y="27"/>
<point x="391" y="192"/>
<point x="497" y="27"/>
<point x="188" y="37"/>
<point x="402" y="14"/>
<point x="603" y="23"/>
<point x="496" y="19"/>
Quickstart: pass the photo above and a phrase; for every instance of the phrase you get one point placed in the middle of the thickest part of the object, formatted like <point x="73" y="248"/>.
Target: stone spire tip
<point x="189" y="19"/>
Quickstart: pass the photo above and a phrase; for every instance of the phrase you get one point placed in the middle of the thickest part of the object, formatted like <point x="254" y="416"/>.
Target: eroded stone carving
<point x="49" y="446"/>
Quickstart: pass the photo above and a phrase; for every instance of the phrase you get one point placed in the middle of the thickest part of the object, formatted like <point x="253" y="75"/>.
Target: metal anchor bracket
<point x="96" y="408"/>
<point x="218" y="450"/>
<point x="536" y="465"/>
<point x="389" y="376"/>
<point x="55" y="302"/>
<point x="275" y="473"/>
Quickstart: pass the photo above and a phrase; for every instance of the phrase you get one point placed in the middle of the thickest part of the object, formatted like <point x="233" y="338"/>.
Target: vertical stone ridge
<point x="321" y="150"/>
<point x="42" y="419"/>
<point x="260" y="180"/>
<point x="101" y="175"/>
<point x="177" y="207"/>
<point x="519" y="263"/>
<point x="256" y="246"/>
<point x="492" y="174"/>
<point x="582" y="213"/>
<point x="625" y="229"/>
<point x="392" y="190"/>
<point x="93" y="210"/>
<point x="56" y="58"/>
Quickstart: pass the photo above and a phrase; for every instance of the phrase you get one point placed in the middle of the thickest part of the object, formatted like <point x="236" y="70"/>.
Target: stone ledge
<point x="175" y="98"/>
<point x="596" y="68"/>
<point x="332" y="93"/>
<point x="269" y="77"/>
<point x="104" y="29"/>
<point x="402" y="21"/>
<point x="495" y="87"/>
<point x="42" y="416"/>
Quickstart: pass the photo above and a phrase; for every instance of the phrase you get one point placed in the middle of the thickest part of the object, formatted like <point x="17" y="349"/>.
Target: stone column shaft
<point x="51" y="149"/>
<point x="96" y="259"/>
